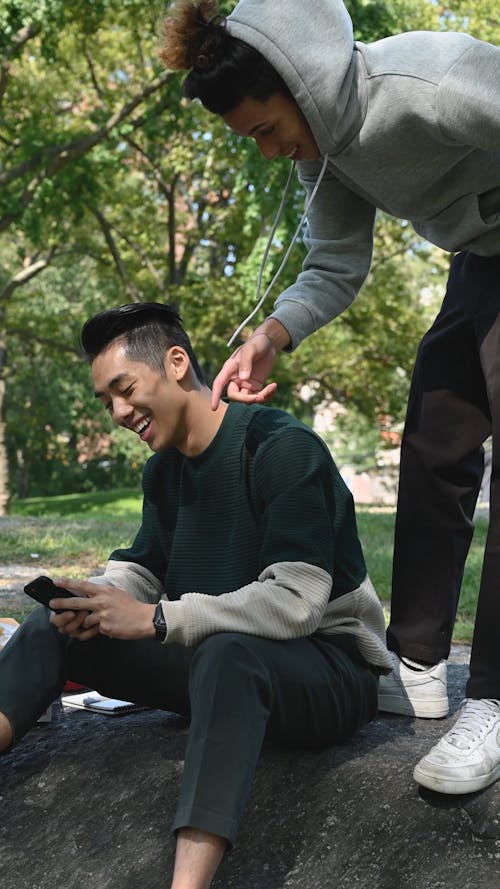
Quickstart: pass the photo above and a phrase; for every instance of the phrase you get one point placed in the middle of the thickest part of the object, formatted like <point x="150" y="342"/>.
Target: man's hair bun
<point x="193" y="35"/>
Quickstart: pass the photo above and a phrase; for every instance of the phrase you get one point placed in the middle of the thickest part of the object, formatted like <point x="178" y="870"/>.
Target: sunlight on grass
<point x="76" y="532"/>
<point x="121" y="502"/>
<point x="87" y="542"/>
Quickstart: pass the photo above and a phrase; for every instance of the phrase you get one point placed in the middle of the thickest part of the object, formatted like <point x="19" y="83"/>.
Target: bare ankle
<point x="6" y="733"/>
<point x="198" y="855"/>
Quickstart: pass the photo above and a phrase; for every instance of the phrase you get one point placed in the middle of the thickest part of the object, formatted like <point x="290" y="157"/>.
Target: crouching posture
<point x="243" y="602"/>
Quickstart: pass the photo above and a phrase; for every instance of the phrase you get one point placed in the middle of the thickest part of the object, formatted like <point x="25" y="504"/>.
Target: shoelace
<point x="473" y="720"/>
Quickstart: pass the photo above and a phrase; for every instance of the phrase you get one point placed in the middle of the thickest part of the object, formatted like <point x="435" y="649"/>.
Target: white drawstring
<point x="307" y="207"/>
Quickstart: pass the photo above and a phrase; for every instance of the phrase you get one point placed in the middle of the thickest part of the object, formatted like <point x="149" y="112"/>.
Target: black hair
<point x="224" y="70"/>
<point x="241" y="72"/>
<point x="149" y="330"/>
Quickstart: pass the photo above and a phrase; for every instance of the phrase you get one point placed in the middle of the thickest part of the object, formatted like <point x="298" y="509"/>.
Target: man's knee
<point x="231" y="659"/>
<point x="34" y="624"/>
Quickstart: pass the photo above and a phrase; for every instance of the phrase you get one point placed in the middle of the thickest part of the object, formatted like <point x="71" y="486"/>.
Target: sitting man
<point x="243" y="602"/>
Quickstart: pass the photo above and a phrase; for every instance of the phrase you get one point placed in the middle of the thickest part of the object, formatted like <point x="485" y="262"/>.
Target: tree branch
<point x="21" y="37"/>
<point x="157" y="173"/>
<point x="93" y="75"/>
<point x="399" y="252"/>
<point x="146" y="261"/>
<point x="131" y="289"/>
<point x="57" y="158"/>
<point x="26" y="274"/>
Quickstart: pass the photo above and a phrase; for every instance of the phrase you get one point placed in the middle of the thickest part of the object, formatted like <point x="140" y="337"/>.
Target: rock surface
<point x="87" y="800"/>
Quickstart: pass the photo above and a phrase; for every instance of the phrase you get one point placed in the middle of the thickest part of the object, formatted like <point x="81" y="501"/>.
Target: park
<point x="114" y="189"/>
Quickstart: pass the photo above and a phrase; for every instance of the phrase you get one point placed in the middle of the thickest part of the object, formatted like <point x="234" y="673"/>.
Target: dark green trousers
<point x="238" y="690"/>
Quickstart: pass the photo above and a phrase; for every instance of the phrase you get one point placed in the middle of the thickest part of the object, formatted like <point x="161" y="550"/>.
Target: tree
<point x="123" y="190"/>
<point x="44" y="180"/>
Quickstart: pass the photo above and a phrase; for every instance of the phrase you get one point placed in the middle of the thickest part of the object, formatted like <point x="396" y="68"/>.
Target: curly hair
<point x="190" y="35"/>
<point x="223" y="70"/>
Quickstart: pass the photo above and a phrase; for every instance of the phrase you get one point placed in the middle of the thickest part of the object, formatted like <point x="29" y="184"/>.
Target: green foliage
<point x="374" y="20"/>
<point x="167" y="204"/>
<point x="478" y="17"/>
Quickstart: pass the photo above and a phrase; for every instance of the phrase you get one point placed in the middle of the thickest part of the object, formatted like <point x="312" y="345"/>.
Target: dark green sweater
<point x="266" y="490"/>
<point x="256" y="535"/>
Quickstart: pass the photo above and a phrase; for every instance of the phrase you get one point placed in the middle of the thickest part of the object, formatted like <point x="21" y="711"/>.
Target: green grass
<point x="73" y="535"/>
<point x="376" y="530"/>
<point x="70" y="535"/>
<point x="122" y="502"/>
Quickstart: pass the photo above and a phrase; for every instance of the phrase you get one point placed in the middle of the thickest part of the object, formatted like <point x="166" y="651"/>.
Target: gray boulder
<point x="87" y="800"/>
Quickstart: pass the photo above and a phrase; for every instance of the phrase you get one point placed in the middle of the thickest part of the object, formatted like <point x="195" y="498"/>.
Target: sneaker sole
<point x="455" y="785"/>
<point x="396" y="703"/>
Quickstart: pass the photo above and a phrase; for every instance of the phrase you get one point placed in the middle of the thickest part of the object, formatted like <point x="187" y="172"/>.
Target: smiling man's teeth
<point x="142" y="425"/>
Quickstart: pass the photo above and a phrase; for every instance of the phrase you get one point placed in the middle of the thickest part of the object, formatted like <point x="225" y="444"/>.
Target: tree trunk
<point x="4" y="463"/>
<point x="21" y="475"/>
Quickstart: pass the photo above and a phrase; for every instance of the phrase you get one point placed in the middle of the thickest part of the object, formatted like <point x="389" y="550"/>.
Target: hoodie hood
<point x="312" y="47"/>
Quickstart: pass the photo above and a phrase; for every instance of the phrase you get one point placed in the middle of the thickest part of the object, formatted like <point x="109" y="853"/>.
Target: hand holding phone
<point x="43" y="589"/>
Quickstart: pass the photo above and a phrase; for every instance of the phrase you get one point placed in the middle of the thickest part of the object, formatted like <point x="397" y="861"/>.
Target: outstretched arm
<point x="246" y="371"/>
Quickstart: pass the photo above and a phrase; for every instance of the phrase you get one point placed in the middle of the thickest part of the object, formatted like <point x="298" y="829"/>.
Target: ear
<point x="177" y="363"/>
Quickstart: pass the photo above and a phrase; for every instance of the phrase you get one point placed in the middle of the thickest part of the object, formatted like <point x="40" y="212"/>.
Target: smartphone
<point x="43" y="589"/>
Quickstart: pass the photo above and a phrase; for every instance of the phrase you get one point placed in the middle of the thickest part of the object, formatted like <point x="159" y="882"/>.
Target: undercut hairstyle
<point x="224" y="70"/>
<point x="148" y="330"/>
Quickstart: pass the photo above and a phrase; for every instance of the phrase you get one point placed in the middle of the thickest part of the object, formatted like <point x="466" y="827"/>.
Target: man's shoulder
<point x="275" y="427"/>
<point x="264" y="422"/>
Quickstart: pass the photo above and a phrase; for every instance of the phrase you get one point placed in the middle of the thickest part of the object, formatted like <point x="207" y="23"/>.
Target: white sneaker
<point x="414" y="692"/>
<point x="467" y="758"/>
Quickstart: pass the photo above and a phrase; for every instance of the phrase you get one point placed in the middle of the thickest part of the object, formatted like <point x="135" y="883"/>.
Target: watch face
<point x="159" y="623"/>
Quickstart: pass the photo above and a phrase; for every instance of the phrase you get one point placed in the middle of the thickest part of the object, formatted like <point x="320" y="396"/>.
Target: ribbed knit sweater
<point x="257" y="534"/>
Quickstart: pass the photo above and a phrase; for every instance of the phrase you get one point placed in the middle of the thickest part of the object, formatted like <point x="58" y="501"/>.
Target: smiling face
<point x="149" y="403"/>
<point x="277" y="125"/>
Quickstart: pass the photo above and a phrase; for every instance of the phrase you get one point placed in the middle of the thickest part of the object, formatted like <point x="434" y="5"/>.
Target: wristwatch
<point x="160" y="623"/>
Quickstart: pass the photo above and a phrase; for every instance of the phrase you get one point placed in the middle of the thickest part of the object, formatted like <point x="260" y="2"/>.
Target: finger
<point x="73" y="604"/>
<point x="217" y="390"/>
<point x="91" y="620"/>
<point x="80" y="587"/>
<point x="250" y="352"/>
<point x="69" y="623"/>
<point x="228" y="371"/>
<point x="242" y="393"/>
<point x="266" y="393"/>
<point x="84" y="635"/>
<point x="61" y="621"/>
<point x="237" y="392"/>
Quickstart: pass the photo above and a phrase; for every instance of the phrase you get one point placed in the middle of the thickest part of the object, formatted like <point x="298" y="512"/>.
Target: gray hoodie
<point x="410" y="124"/>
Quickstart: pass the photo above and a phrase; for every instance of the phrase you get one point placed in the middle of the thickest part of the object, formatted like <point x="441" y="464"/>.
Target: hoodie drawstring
<point x="307" y="207"/>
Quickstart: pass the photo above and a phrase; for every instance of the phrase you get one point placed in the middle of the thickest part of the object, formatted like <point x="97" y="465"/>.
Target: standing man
<point x="243" y="601"/>
<point x="411" y="125"/>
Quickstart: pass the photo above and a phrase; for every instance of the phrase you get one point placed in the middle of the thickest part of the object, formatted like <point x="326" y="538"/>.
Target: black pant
<point x="237" y="689"/>
<point x="454" y="406"/>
